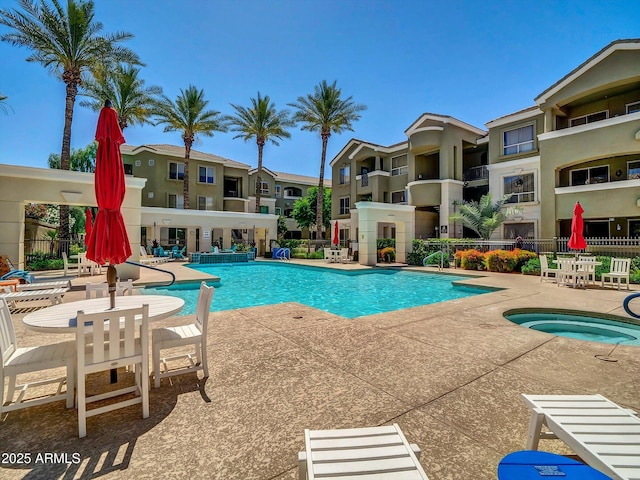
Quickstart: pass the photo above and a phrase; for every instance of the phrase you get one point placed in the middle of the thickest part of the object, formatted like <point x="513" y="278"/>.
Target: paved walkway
<point x="450" y="374"/>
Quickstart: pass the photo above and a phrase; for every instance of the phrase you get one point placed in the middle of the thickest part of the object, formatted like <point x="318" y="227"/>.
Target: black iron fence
<point x="51" y="248"/>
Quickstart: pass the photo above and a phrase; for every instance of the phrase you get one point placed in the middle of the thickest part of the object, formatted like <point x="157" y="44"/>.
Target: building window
<point x="344" y="206"/>
<point x="399" y="197"/>
<point x="264" y="190"/>
<point x="633" y="170"/>
<point x="345" y="176"/>
<point x="519" y="140"/>
<point x="175" y="201"/>
<point x="128" y="169"/>
<point x="522" y="229"/>
<point x="399" y="165"/>
<point x="633" y="107"/>
<point x="278" y="211"/>
<point x="592" y="117"/>
<point x="278" y="191"/>
<point x="521" y="188"/>
<point x="205" y="203"/>
<point x="152" y="162"/>
<point x="264" y="209"/>
<point x="288" y="212"/>
<point x="176" y="171"/>
<point x="292" y="192"/>
<point x="172" y="236"/>
<point x="205" y="175"/>
<point x="586" y="176"/>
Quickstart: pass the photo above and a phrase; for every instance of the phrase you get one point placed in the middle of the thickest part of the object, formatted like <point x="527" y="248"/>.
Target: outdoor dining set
<point x="580" y="270"/>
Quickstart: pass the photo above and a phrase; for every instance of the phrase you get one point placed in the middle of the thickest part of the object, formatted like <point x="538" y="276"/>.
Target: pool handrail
<point x="173" y="276"/>
<point x="626" y="302"/>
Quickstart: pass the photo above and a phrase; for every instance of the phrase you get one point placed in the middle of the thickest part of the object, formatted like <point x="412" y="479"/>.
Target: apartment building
<point x="279" y="191"/>
<point x="579" y="142"/>
<point x="218" y="211"/>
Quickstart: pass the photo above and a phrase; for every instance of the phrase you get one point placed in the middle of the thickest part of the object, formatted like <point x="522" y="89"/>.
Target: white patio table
<point x="573" y="265"/>
<point x="62" y="318"/>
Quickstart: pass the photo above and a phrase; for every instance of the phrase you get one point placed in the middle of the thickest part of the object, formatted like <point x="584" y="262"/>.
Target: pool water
<point x="349" y="294"/>
<point x="581" y="327"/>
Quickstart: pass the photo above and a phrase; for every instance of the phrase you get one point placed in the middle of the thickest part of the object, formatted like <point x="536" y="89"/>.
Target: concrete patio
<point x="449" y="374"/>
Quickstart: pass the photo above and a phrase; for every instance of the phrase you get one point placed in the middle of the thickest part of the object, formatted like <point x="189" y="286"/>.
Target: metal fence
<point x="613" y="247"/>
<point x="50" y="248"/>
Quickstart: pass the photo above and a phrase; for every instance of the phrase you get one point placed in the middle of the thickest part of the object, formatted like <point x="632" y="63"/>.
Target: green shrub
<point x="75" y="249"/>
<point x="299" y="255"/>
<point x="385" y="242"/>
<point x="40" y="264"/>
<point x="316" y="255"/>
<point x="421" y="249"/>
<point x="470" y="259"/>
<point x="532" y="267"/>
<point x="292" y="244"/>
<point x="387" y="254"/>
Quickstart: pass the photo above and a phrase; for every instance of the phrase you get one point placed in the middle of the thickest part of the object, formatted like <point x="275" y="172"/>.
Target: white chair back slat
<point x="7" y="333"/>
<point x="203" y="307"/>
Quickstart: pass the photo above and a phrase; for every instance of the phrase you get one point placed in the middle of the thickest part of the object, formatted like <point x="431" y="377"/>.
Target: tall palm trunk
<point x="71" y="82"/>
<point x="260" y="142"/>
<point x="319" y="206"/>
<point x="188" y="142"/>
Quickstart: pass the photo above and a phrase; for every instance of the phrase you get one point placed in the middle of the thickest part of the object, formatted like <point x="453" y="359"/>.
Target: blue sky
<point x="474" y="60"/>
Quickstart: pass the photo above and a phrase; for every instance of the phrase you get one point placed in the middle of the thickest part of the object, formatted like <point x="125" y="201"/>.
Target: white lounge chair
<point x="601" y="433"/>
<point x="620" y="268"/>
<point x="16" y="361"/>
<point x="121" y="349"/>
<point x="194" y="334"/>
<point x="545" y="270"/>
<point x="44" y="285"/>
<point x="53" y="295"/>
<point x="373" y="453"/>
<point x="146" y="259"/>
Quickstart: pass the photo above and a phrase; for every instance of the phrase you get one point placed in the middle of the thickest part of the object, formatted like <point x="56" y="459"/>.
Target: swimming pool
<point x="349" y="294"/>
<point x="581" y="326"/>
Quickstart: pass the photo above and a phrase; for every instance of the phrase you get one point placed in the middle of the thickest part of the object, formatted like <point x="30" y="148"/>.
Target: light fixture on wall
<point x="618" y="173"/>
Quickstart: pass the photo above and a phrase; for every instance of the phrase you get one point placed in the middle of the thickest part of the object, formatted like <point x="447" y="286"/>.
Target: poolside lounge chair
<point x="44" y="285"/>
<point x="16" y="273"/>
<point x="601" y="433"/>
<point x="545" y="270"/>
<point x="54" y="295"/>
<point x="177" y="253"/>
<point x="16" y="361"/>
<point x="194" y="334"/>
<point x="371" y="453"/>
<point x="619" y="271"/>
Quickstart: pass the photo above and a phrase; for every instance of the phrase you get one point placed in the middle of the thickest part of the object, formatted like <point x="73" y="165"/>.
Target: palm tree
<point x="132" y="100"/>
<point x="485" y="216"/>
<point x="68" y="43"/>
<point x="3" y="103"/>
<point x="263" y="122"/>
<point x="327" y="112"/>
<point x="189" y="116"/>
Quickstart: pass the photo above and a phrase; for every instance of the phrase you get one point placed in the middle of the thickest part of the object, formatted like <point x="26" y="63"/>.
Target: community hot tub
<point x="221" y="257"/>
<point x="579" y="325"/>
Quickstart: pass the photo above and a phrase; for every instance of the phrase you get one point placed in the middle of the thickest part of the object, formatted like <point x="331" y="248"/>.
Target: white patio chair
<point x="101" y="290"/>
<point x="328" y="256"/>
<point x="568" y="273"/>
<point x="619" y="271"/>
<point x="15" y="361"/>
<point x="120" y="350"/>
<point x="588" y="266"/>
<point x="193" y="334"/>
<point x="85" y="266"/>
<point x="545" y="270"/>
<point x="344" y="255"/>
<point x="68" y="266"/>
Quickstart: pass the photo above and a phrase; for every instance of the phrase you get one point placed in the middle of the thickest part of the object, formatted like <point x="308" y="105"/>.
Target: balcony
<point x="476" y="173"/>
<point x="425" y="193"/>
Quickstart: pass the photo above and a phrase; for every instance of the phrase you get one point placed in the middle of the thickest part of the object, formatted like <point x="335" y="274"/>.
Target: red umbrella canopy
<point x="336" y="234"/>
<point x="88" y="225"/>
<point x="577" y="241"/>
<point x="108" y="239"/>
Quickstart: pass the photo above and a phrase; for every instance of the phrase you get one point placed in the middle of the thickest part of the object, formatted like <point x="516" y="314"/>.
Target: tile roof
<point x="178" y="151"/>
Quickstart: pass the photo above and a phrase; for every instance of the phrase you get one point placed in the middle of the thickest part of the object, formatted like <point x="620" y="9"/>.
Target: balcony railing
<point x="476" y="173"/>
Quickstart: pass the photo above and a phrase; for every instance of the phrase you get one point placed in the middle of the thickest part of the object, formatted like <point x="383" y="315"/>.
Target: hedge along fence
<point x="504" y="261"/>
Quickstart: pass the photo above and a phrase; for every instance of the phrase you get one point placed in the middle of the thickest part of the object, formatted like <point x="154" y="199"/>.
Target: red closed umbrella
<point x="108" y="240"/>
<point x="336" y="235"/>
<point x="577" y="241"/>
<point x="88" y="225"/>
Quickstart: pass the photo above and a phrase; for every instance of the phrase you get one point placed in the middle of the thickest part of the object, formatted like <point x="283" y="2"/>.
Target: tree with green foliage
<point x="69" y="44"/>
<point x="304" y="209"/>
<point x="82" y="159"/>
<point x="264" y="123"/>
<point x="4" y="106"/>
<point x="325" y="111"/>
<point x="484" y="216"/>
<point x="129" y="96"/>
<point x="189" y="116"/>
<point x="282" y="227"/>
